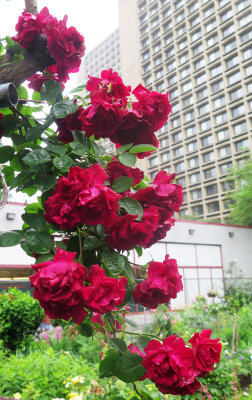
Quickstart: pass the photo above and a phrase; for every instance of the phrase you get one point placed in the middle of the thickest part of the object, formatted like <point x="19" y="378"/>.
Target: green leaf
<point x="129" y="272"/>
<point x="63" y="108"/>
<point x="1" y="48"/>
<point x="10" y="124"/>
<point x="142" y="148"/>
<point x="44" y="258"/>
<point x="22" y="92"/>
<point x="80" y="152"/>
<point x="113" y="261"/>
<point x="98" y="149"/>
<point x="128" y="368"/>
<point x="122" y="184"/>
<point x="56" y="148"/>
<point x="124" y="148"/>
<point x="21" y="178"/>
<point x="91" y="242"/>
<point x="6" y="154"/>
<point x="118" y="344"/>
<point x="50" y="90"/>
<point x="45" y="182"/>
<point x="142" y="341"/>
<point x="139" y="250"/>
<point x="107" y="365"/>
<point x="132" y="206"/>
<point x="39" y="242"/>
<point x="8" y="174"/>
<point x="79" y="88"/>
<point x="36" y="96"/>
<point x="128" y="159"/>
<point x="81" y="138"/>
<point x="85" y="329"/>
<point x="36" y="157"/>
<point x="34" y="133"/>
<point x="63" y="163"/>
<point x="35" y="221"/>
<point x="11" y="238"/>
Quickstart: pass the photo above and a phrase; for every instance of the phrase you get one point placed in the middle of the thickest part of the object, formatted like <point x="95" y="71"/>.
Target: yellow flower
<point x="17" y="396"/>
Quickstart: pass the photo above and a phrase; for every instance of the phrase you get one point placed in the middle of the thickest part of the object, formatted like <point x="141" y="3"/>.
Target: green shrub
<point x="20" y="316"/>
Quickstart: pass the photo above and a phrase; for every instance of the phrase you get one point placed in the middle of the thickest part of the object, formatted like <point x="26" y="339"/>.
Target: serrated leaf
<point x="118" y="344"/>
<point x="39" y="242"/>
<point x="85" y="329"/>
<point x="35" y="221"/>
<point x="132" y="206"/>
<point x="44" y="258"/>
<point x="36" y="157"/>
<point x="50" y="90"/>
<point x="129" y="273"/>
<point x="11" y="238"/>
<point x="6" y="154"/>
<point x="128" y="368"/>
<point x="81" y="138"/>
<point x="36" y="96"/>
<point x="45" y="182"/>
<point x="113" y="261"/>
<point x="122" y="184"/>
<point x="107" y="365"/>
<point x="91" y="242"/>
<point x="124" y="148"/>
<point x="21" y="178"/>
<point x="34" y="133"/>
<point x="63" y="108"/>
<point x="79" y="88"/>
<point x="98" y="149"/>
<point x="142" y="148"/>
<point x="80" y="152"/>
<point x="56" y="148"/>
<point x="63" y="163"/>
<point x="128" y="159"/>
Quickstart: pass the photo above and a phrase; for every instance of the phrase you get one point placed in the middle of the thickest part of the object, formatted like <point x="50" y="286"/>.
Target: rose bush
<point x="93" y="208"/>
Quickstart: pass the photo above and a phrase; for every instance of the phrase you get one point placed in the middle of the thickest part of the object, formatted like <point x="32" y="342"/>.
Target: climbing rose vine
<point x="93" y="208"/>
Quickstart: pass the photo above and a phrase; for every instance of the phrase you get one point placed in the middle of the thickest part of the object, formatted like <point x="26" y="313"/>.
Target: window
<point x="175" y="108"/>
<point x="160" y="86"/>
<point x="227" y="31"/>
<point x="214" y="206"/>
<point x="196" y="35"/>
<point x="248" y="70"/>
<point x="153" y="174"/>
<point x="193" y="162"/>
<point x="172" y="79"/>
<point x="230" y="46"/>
<point x="169" y="39"/>
<point x="194" y="21"/>
<point x="199" y="63"/>
<point x="223" y="2"/>
<point x="165" y="156"/>
<point x="147" y="68"/>
<point x="187" y="86"/>
<point x="231" y="62"/>
<point x="193" y="146"/>
<point x="249" y="87"/>
<point x="157" y="60"/>
<point x="228" y="185"/>
<point x="210" y="173"/>
<point x="216" y="86"/>
<point x="164" y="128"/>
<point x="212" y="189"/>
<point x="182" y="44"/>
<point x="184" y="197"/>
<point x="219" y="102"/>
<point x="236" y="94"/>
<point x="184" y="58"/>
<point x="197" y="210"/>
<point x="187" y="101"/>
<point x="189" y="116"/>
<point x="243" y="144"/>
<point x="171" y="66"/>
<point x="236" y="77"/>
<point x="215" y="71"/>
<point x="247" y="53"/>
<point x="156" y="34"/>
<point x="246" y="36"/>
<point x="211" y="25"/>
<point x="242" y="4"/>
<point x="237" y="111"/>
<point x="144" y="30"/>
<point x="176" y="122"/>
<point x="181" y="181"/>
<point x="185" y="72"/>
<point x="167" y="26"/>
<point x="143" y="18"/>
<point x="209" y="11"/>
<point x="181" y="30"/>
<point x="195" y="178"/>
<point x="169" y="53"/>
<point x="208" y="156"/>
<point x="202" y="93"/>
<point x="180" y="17"/>
<point x="179" y="151"/>
<point x="207" y="140"/>
<point x="222" y="135"/>
<point x="214" y="55"/>
<point x="180" y="166"/>
<point x="224" y="168"/>
<point x="154" y="10"/>
<point x="212" y="40"/>
<point x="145" y="42"/>
<point x="240" y="128"/>
<point x="191" y="131"/>
<point x="201" y="79"/>
<point x="164" y="142"/>
<point x="224" y="151"/>
<point x="159" y="73"/>
<point x="193" y="7"/>
<point x="142" y="7"/>
<point x="197" y="49"/>
<point x="196" y="194"/>
<point x="148" y="80"/>
<point x="221" y="118"/>
<point x="226" y="15"/>
<point x="153" y="161"/>
<point x="173" y="94"/>
<point x="245" y="20"/>
<point x="203" y="109"/>
<point x="154" y="22"/>
<point x="178" y="4"/>
<point x="176" y="137"/>
<point x="157" y="47"/>
<point x="205" y="125"/>
<point x="146" y="55"/>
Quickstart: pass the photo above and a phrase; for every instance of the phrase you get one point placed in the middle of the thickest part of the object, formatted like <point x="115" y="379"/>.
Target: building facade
<point x="201" y="52"/>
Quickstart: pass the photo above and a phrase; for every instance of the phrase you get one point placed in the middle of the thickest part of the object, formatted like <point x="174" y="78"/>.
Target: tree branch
<point x="31" y="6"/>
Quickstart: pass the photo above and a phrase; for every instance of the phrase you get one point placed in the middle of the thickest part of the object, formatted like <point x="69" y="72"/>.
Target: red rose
<point x="135" y="350"/>
<point x="133" y="128"/>
<point x="162" y="285"/>
<point x="58" y="286"/>
<point x="170" y="366"/>
<point x="27" y="27"/>
<point x="161" y="231"/>
<point x="68" y="124"/>
<point x="154" y="106"/>
<point x="81" y="198"/>
<point x="37" y="80"/>
<point x="1" y="129"/>
<point x="115" y="169"/>
<point x="104" y="293"/>
<point x="206" y="351"/>
<point x="97" y="320"/>
<point x="101" y="119"/>
<point x="109" y="87"/>
<point x="125" y="232"/>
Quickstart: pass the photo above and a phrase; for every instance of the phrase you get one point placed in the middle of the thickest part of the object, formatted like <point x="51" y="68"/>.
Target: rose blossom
<point x="170" y="366"/>
<point x="37" y="80"/>
<point x="162" y="285"/>
<point x="115" y="169"/>
<point x="82" y="198"/>
<point x="70" y="123"/>
<point x="206" y="351"/>
<point x="154" y="106"/>
<point x="28" y="26"/>
<point x="104" y="293"/>
<point x="59" y="285"/>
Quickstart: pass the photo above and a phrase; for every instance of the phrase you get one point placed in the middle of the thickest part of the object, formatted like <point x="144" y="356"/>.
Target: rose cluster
<point x="59" y="286"/>
<point x="174" y="367"/>
<point x="66" y="45"/>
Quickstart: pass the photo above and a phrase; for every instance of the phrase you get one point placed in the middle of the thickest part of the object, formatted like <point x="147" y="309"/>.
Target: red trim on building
<point x="14" y="203"/>
<point x="213" y="223"/>
<point x="14" y="266"/>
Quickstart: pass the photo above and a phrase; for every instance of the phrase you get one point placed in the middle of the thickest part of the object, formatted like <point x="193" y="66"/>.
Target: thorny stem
<point x="24" y="118"/>
<point x="32" y="101"/>
<point x="80" y="243"/>
<point x="136" y="390"/>
<point x="142" y="334"/>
